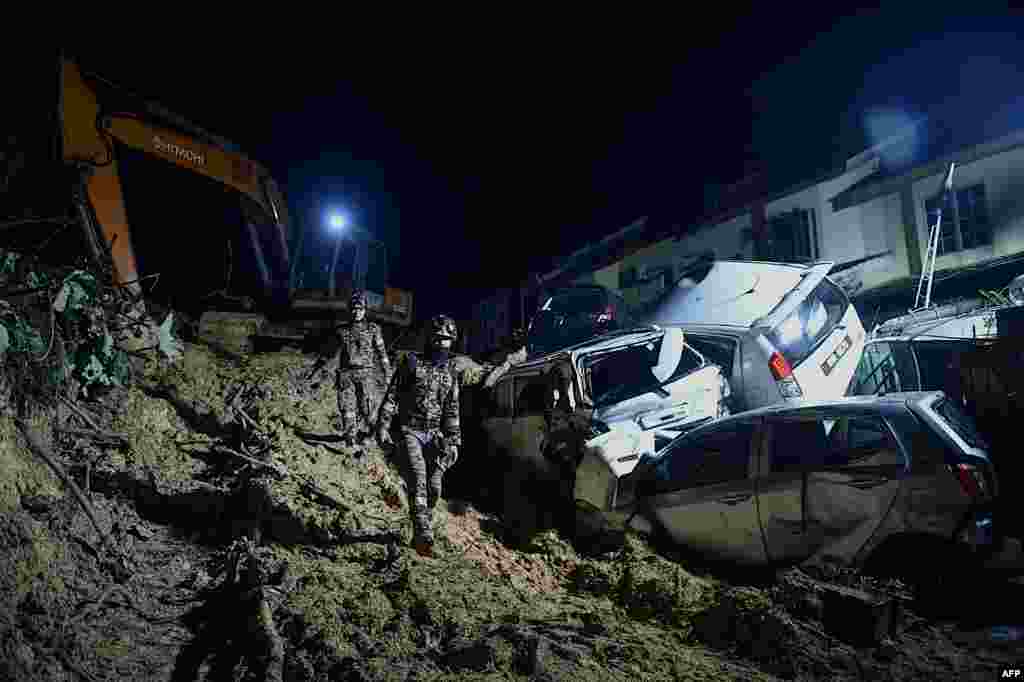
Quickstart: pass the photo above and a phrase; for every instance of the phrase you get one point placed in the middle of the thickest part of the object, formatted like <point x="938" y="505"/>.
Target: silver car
<point x="780" y="331"/>
<point x="841" y="480"/>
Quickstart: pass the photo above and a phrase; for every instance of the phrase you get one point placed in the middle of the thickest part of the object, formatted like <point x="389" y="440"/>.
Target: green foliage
<point x="76" y="296"/>
<point x="21" y="336"/>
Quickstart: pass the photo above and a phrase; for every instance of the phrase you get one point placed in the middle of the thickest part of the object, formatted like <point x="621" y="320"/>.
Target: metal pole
<point x="933" y="251"/>
<point x="334" y="262"/>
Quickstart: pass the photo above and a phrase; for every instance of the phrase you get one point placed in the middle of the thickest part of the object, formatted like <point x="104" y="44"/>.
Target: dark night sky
<point x="477" y="157"/>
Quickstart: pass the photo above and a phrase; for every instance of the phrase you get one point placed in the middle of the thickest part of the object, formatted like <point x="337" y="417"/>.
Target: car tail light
<point x="783" y="373"/>
<point x="972" y="480"/>
<point x="780" y="368"/>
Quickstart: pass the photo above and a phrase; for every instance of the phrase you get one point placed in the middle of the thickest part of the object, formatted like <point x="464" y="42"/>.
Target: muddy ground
<point x="247" y="543"/>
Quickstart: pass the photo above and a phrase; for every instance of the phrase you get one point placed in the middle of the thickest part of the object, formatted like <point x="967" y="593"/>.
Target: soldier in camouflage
<point x="425" y="396"/>
<point x="360" y="349"/>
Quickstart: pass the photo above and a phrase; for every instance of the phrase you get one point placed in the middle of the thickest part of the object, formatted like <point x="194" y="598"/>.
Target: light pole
<point x="336" y="222"/>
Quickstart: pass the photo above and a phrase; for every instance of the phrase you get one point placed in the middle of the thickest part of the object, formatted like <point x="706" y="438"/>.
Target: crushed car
<point x="780" y="331"/>
<point x="616" y="397"/>
<point x="900" y="483"/>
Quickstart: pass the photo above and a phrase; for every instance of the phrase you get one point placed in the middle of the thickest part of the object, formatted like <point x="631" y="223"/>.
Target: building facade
<point x="871" y="219"/>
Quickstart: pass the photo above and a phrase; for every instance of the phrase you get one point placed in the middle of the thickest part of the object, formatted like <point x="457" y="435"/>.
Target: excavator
<point x="176" y="214"/>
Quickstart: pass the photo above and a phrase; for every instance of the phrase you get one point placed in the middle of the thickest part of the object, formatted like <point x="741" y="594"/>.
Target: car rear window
<point x="798" y="335"/>
<point x="961" y="423"/>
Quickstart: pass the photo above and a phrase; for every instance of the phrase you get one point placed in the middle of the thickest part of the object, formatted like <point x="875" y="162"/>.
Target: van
<point x="779" y="331"/>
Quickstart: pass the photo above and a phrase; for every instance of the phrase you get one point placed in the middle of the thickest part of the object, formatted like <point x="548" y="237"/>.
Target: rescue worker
<point x="425" y="396"/>
<point x="358" y="382"/>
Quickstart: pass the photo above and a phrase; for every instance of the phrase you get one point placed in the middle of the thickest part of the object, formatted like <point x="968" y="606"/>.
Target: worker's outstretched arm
<point x="382" y="353"/>
<point x="450" y="417"/>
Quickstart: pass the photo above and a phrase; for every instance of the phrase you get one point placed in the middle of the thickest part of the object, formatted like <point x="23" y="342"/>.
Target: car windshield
<point x="961" y="423"/>
<point x="627" y="372"/>
<point x="813" y="320"/>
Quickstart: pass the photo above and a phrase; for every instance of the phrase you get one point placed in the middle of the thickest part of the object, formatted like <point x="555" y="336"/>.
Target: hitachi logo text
<point x="179" y="151"/>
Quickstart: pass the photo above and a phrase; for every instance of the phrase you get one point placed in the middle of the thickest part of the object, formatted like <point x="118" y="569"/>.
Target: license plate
<point x="836" y="355"/>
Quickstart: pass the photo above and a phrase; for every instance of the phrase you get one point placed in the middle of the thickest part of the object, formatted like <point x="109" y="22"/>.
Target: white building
<point x="861" y="213"/>
<point x="873" y="221"/>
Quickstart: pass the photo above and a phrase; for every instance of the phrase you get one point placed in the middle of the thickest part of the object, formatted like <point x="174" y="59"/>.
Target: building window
<point x="965" y="224"/>
<point x="791" y="237"/>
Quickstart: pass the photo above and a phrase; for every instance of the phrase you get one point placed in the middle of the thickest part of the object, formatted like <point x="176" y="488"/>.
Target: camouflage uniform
<point x="361" y="347"/>
<point x="425" y="395"/>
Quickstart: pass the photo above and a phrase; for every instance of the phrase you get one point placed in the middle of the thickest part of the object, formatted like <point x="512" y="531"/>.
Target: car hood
<point x="733" y="293"/>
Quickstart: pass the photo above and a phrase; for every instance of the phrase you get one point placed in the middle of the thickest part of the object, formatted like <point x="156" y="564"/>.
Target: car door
<point x="851" y="492"/>
<point x="703" y="492"/>
<point x="533" y="396"/>
<point x="792" y="447"/>
<point x="500" y="423"/>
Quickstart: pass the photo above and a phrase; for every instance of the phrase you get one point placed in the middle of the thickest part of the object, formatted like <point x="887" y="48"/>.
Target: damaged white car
<point x="622" y="394"/>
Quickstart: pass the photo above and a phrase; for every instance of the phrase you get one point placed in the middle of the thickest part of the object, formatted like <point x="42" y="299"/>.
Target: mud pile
<point x="236" y="538"/>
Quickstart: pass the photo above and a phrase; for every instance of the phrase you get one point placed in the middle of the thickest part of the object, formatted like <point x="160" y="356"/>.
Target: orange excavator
<point x="175" y="213"/>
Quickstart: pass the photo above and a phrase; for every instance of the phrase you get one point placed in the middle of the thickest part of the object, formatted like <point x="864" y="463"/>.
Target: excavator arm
<point x="89" y="126"/>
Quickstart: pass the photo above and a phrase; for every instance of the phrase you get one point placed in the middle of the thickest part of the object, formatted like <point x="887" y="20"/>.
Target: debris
<point x="858" y="617"/>
<point x="40" y="450"/>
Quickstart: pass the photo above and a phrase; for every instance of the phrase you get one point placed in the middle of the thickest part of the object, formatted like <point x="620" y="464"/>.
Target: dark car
<point x="576" y="314"/>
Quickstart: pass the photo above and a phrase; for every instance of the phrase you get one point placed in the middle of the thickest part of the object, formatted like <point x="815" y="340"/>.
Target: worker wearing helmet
<point x="425" y="396"/>
<point x="361" y="355"/>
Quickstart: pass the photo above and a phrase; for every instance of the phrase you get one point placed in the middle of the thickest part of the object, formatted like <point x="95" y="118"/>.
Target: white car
<point x="780" y="331"/>
<point x="630" y="392"/>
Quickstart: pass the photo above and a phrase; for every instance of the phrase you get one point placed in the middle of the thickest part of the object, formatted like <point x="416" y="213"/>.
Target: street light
<point x="336" y="222"/>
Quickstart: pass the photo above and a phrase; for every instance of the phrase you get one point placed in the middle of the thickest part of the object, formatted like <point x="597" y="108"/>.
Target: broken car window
<point x="718" y="350"/>
<point x="635" y="370"/>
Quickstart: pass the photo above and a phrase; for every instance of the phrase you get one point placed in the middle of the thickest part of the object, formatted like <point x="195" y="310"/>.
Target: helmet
<point x="358" y="299"/>
<point x="443" y="326"/>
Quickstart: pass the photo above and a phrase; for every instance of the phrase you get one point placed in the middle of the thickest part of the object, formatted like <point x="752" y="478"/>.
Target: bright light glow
<point x="818" y="318"/>
<point x="336" y="221"/>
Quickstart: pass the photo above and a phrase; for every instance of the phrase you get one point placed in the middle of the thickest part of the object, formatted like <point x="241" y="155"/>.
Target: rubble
<point x="225" y="531"/>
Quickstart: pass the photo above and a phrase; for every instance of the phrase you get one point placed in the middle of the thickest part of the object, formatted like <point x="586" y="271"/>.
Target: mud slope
<point x="244" y="542"/>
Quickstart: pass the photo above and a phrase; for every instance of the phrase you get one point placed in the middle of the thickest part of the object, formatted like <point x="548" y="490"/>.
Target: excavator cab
<point x="92" y="173"/>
